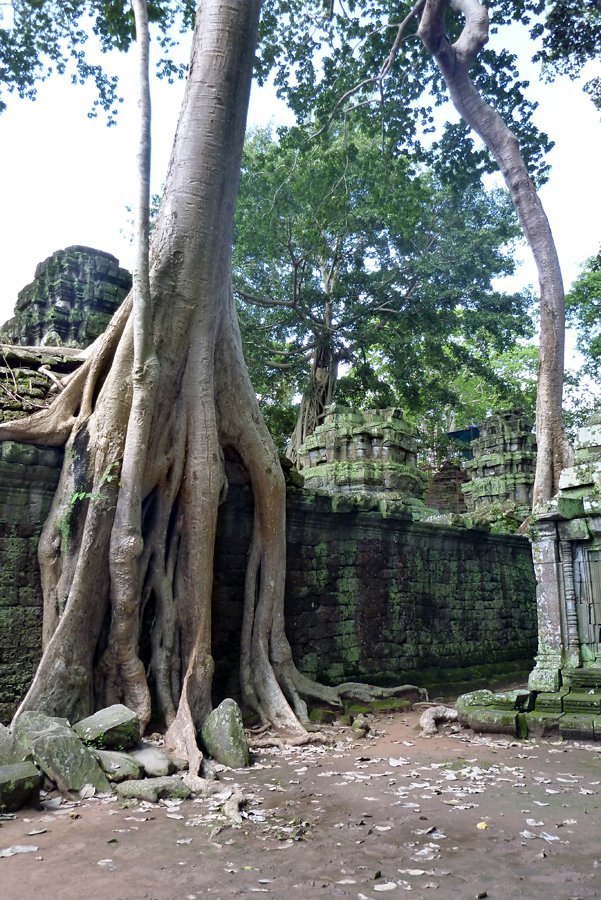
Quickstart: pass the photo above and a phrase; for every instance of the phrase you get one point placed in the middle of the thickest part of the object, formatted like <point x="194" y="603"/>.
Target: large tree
<point x="95" y="569"/>
<point x="163" y="394"/>
<point x="101" y="568"/>
<point x="376" y="65"/>
<point x="347" y="253"/>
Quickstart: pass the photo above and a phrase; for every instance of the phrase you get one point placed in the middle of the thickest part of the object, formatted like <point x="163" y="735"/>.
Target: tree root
<point x="231" y="808"/>
<point x="283" y="742"/>
<point x="431" y="717"/>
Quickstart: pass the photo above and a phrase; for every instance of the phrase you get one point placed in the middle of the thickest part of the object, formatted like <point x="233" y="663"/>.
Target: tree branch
<point x="376" y="79"/>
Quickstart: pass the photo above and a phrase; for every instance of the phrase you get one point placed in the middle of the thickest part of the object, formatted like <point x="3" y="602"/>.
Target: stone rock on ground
<point x="153" y="789"/>
<point x="431" y="717"/>
<point x="119" y="766"/>
<point x="115" y="727"/>
<point x="59" y="753"/>
<point x="155" y="763"/>
<point x="19" y="783"/>
<point x="11" y="749"/>
<point x="223" y="735"/>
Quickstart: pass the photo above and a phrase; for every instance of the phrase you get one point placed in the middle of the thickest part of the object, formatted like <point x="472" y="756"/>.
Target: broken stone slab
<point x="575" y="727"/>
<point x="544" y="724"/>
<point x="19" y="783"/>
<point x="115" y="727"/>
<point x="12" y="750"/>
<point x="322" y="716"/>
<point x="154" y="761"/>
<point x="152" y="789"/>
<point x="522" y="700"/>
<point x="59" y="752"/>
<point x="223" y="735"/>
<point x="495" y="721"/>
<point x="119" y="766"/>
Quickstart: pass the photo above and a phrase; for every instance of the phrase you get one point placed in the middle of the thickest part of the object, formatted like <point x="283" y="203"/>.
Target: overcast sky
<point x="66" y="179"/>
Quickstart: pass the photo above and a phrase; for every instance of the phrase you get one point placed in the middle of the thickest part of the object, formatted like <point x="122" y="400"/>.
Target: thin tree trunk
<point x="121" y="666"/>
<point x="454" y="61"/>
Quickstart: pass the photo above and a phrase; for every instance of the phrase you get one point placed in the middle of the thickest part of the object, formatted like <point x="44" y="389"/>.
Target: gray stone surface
<point x="153" y="789"/>
<point x="11" y="749"/>
<point x="223" y="735"/>
<point x="114" y="727"/>
<point x="71" y="300"/>
<point x="154" y="762"/>
<point x="119" y="766"/>
<point x="502" y="470"/>
<point x="19" y="783"/>
<point x="59" y="752"/>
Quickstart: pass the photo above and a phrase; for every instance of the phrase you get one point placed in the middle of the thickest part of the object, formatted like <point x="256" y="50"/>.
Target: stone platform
<point x="573" y="712"/>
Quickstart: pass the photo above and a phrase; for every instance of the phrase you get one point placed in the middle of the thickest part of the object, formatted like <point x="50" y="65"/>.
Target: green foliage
<point x="330" y="60"/>
<point x="571" y="37"/>
<point x="583" y="312"/>
<point x="110" y="474"/>
<point x="46" y="36"/>
<point x="348" y="248"/>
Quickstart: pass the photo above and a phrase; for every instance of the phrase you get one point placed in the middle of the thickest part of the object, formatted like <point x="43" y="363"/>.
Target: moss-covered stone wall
<point x="28" y="479"/>
<point x="371" y="595"/>
<point x="384" y="599"/>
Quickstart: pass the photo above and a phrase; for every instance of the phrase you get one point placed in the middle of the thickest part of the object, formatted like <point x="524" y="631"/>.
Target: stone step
<point x="550" y="702"/>
<point x="583" y="678"/>
<point x="574" y="727"/>
<point x="581" y="702"/>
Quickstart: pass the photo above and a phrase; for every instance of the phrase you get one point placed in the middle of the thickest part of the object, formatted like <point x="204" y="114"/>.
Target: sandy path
<point x="345" y="822"/>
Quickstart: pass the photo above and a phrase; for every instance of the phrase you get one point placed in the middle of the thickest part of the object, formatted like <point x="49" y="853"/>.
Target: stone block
<point x="114" y="727"/>
<point x="574" y="727"/>
<point x="322" y="716"/>
<point x="153" y="760"/>
<point x="550" y="701"/>
<point x="119" y="767"/>
<point x="223" y="735"/>
<point x="489" y="719"/>
<point x="153" y="789"/>
<point x="59" y="752"/>
<point x="12" y="750"/>
<point x="544" y="724"/>
<point x="19" y="783"/>
<point x="582" y="703"/>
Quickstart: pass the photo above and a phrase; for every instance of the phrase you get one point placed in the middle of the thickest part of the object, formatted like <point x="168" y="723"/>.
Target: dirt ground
<point x="450" y="817"/>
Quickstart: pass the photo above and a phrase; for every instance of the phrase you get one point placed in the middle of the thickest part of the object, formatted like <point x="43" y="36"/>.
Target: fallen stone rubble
<point x="104" y="753"/>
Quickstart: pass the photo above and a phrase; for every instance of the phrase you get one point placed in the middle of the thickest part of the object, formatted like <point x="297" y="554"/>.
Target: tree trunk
<point x="454" y="61"/>
<point x="318" y="395"/>
<point x="106" y="555"/>
<point x="159" y="396"/>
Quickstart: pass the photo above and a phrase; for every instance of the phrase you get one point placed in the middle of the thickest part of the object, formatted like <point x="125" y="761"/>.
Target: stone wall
<point x="370" y="594"/>
<point x="28" y="479"/>
<point x="382" y="598"/>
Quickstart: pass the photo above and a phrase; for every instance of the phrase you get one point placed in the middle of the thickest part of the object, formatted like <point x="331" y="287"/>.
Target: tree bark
<point x="454" y="62"/>
<point x="160" y="394"/>
<point x="154" y="533"/>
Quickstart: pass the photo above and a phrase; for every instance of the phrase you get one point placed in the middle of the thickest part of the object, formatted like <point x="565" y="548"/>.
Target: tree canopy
<point x="45" y="36"/>
<point x="583" y="309"/>
<point x="347" y="254"/>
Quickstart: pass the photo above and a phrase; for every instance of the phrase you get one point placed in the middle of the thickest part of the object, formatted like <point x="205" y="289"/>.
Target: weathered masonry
<point x="370" y="594"/>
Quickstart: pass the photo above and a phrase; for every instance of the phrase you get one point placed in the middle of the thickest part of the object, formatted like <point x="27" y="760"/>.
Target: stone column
<point x="549" y="598"/>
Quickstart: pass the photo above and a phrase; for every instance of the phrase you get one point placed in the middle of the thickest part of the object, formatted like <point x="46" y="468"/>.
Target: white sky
<point x="66" y="179"/>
